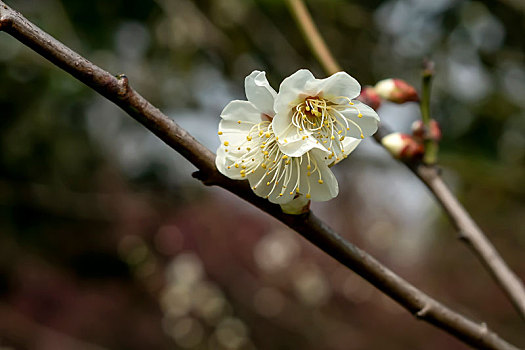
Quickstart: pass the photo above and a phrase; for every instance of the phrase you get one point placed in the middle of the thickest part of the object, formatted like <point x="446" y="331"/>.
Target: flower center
<point x="323" y="119"/>
<point x="262" y="152"/>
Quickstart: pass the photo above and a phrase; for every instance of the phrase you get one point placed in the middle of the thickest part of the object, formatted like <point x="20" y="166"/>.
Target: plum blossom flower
<point x="321" y="114"/>
<point x="249" y="150"/>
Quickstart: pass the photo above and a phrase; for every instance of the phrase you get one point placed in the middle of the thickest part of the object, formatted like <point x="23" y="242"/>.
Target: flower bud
<point x="370" y="97"/>
<point x="433" y="132"/>
<point x="396" y="90"/>
<point x="403" y="146"/>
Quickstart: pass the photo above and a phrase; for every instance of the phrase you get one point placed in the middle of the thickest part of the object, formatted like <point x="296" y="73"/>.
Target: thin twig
<point x="431" y="146"/>
<point x="117" y="90"/>
<point x="314" y="39"/>
<point x="469" y="231"/>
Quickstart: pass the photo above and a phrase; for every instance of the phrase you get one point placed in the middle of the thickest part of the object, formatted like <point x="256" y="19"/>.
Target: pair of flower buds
<point x="285" y="142"/>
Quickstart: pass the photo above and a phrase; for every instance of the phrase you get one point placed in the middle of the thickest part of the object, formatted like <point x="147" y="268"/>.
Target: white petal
<point x="293" y="145"/>
<point x="367" y="123"/>
<point x="238" y="118"/>
<point x="241" y="110"/>
<point x="366" y="110"/>
<point x="349" y="144"/>
<point x="260" y="180"/>
<point x="336" y="85"/>
<point x="282" y="125"/>
<point x="233" y="134"/>
<point x="225" y="160"/>
<point x="328" y="189"/>
<point x="259" y="92"/>
<point x="290" y="90"/>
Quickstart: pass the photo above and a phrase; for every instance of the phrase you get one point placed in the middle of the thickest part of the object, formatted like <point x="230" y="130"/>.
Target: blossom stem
<point x="431" y="146"/>
<point x="312" y="36"/>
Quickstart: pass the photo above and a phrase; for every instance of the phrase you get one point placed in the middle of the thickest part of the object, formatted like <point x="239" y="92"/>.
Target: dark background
<point x="106" y="242"/>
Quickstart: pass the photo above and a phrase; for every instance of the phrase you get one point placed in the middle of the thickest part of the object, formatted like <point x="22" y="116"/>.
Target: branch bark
<point x="469" y="231"/>
<point x="118" y="90"/>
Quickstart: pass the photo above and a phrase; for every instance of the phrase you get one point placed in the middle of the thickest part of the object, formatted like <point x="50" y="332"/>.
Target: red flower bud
<point x="396" y="90"/>
<point x="370" y="97"/>
<point x="434" y="132"/>
<point x="403" y="146"/>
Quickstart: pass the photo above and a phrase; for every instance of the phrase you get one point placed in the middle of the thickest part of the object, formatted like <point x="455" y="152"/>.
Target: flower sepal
<point x="299" y="205"/>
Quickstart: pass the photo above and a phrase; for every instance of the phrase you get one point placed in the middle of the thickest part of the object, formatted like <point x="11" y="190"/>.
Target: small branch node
<point x="6" y="21"/>
<point x="484" y="331"/>
<point x="205" y="178"/>
<point x="424" y="311"/>
<point x="463" y="237"/>
<point x="123" y="83"/>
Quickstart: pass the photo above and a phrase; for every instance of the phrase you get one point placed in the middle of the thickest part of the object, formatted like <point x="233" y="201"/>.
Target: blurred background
<point x="106" y="242"/>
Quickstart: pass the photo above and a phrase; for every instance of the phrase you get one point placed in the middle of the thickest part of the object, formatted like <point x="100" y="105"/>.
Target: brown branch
<point x="467" y="228"/>
<point x="117" y="90"/>
<point x="470" y="233"/>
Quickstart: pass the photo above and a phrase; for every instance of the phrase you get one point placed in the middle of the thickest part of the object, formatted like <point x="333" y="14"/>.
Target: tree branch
<point x="118" y="90"/>
<point x="467" y="228"/>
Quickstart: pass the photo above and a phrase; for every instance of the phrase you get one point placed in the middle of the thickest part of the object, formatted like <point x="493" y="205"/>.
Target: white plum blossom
<point x="249" y="150"/>
<point x="321" y="114"/>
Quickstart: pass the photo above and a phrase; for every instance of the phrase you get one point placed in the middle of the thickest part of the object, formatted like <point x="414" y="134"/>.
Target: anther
<point x="219" y="133"/>
<point x="320" y="181"/>
<point x="226" y="143"/>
